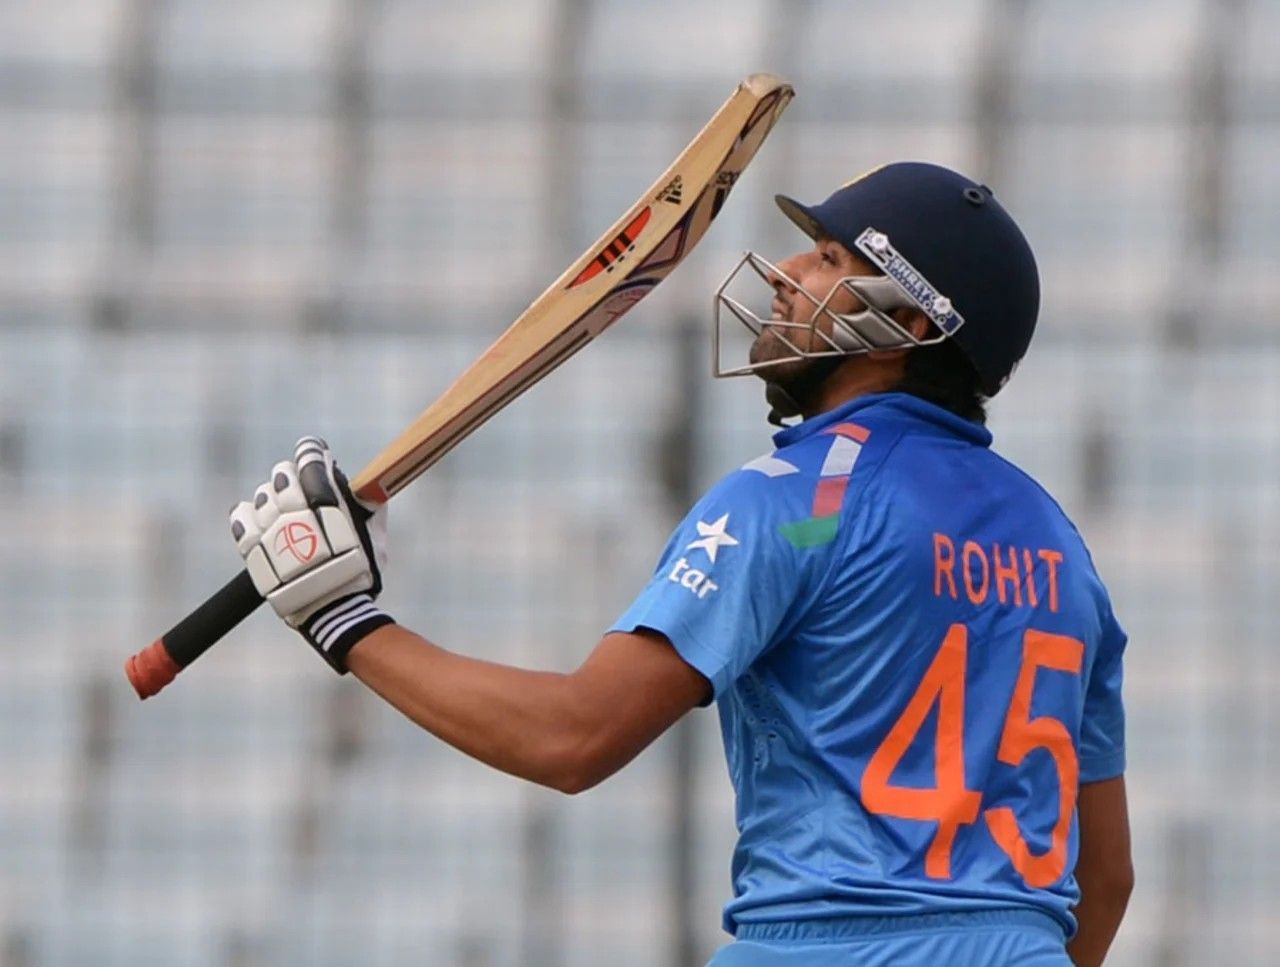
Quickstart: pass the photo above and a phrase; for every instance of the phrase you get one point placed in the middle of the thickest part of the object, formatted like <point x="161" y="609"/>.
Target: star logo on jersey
<point x="713" y="536"/>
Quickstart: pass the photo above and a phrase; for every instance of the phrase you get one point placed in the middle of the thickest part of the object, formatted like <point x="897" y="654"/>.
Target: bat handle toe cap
<point x="151" y="669"/>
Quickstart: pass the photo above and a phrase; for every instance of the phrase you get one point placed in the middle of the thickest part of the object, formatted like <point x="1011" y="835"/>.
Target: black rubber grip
<point x="155" y="666"/>
<point x="227" y="607"/>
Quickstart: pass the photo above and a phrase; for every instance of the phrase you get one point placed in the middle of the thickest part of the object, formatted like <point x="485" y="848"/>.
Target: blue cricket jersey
<point x="915" y="665"/>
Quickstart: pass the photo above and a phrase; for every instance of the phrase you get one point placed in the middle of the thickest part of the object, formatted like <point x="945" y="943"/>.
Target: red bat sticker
<point x="616" y="250"/>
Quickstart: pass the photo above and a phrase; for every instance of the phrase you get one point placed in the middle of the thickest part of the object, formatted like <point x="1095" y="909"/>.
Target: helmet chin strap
<point x="782" y="405"/>
<point x="790" y="400"/>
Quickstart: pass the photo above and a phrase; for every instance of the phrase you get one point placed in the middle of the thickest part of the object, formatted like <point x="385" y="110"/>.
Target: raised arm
<point x="568" y="732"/>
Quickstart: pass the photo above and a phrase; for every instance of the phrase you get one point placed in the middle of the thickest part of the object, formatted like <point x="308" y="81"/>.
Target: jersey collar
<point x="901" y="406"/>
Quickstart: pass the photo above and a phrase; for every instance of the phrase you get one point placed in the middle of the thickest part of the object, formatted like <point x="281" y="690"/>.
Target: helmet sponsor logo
<point x="877" y="247"/>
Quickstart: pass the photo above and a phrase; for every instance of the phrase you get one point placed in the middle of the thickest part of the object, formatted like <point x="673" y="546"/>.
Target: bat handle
<point x="159" y="663"/>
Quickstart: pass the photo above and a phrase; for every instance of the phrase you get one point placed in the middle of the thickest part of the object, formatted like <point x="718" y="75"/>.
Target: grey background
<point x="225" y="224"/>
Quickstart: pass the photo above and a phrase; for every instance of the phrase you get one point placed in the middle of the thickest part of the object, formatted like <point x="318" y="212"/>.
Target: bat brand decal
<point x="298" y="539"/>
<point x="765" y="107"/>
<point x="724" y="184"/>
<point x="616" y="251"/>
<point x="615" y="304"/>
<point x="671" y="249"/>
<point x="674" y="192"/>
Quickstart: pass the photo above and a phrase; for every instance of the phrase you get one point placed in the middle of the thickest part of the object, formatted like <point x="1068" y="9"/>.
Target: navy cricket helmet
<point x="951" y="248"/>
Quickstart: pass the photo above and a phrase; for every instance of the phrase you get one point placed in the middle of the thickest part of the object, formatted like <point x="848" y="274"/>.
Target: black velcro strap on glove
<point x="360" y="516"/>
<point x="338" y="627"/>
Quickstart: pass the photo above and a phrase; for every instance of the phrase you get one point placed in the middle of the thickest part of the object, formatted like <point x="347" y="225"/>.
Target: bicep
<point x="632" y="688"/>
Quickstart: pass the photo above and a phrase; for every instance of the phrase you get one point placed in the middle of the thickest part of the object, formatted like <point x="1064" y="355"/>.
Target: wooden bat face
<point x="615" y="273"/>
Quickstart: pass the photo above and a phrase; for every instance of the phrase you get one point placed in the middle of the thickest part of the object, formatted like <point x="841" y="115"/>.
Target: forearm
<point x="1101" y="908"/>
<point x="522" y="722"/>
<point x="568" y="732"/>
<point x="1104" y="869"/>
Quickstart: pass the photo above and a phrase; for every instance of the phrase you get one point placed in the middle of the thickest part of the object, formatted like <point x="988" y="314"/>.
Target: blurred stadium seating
<point x="192" y="193"/>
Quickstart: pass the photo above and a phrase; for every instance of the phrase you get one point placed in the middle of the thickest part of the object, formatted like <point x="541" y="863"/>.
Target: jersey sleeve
<point x="1102" y="730"/>
<point x="729" y="583"/>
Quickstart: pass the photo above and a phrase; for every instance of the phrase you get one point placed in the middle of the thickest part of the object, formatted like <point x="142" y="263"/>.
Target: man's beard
<point x="794" y="387"/>
<point x="769" y="345"/>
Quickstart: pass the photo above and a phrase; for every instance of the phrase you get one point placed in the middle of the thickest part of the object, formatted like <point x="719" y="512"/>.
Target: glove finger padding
<point x="316" y="470"/>
<point x="248" y="537"/>
<point x="294" y="539"/>
<point x="329" y="494"/>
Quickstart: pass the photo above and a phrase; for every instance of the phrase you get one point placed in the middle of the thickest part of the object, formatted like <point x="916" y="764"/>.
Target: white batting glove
<point x="314" y="551"/>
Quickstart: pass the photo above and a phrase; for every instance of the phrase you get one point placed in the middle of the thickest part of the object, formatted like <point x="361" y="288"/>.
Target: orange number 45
<point x="949" y="803"/>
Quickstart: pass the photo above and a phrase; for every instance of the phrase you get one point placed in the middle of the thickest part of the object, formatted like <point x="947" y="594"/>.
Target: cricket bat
<point x="610" y="277"/>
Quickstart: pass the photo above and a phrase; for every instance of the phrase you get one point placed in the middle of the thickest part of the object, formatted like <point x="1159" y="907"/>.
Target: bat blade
<point x="608" y="279"/>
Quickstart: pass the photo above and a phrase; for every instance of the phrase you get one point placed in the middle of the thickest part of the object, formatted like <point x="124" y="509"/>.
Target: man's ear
<point x="913" y="321"/>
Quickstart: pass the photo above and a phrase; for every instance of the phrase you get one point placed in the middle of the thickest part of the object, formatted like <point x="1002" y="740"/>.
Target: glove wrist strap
<point x="338" y="627"/>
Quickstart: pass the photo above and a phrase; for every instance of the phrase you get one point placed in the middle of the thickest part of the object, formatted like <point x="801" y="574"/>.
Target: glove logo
<point x="298" y="539"/>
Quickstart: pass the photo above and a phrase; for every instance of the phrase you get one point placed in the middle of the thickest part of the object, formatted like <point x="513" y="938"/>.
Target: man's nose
<point x="790" y="272"/>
